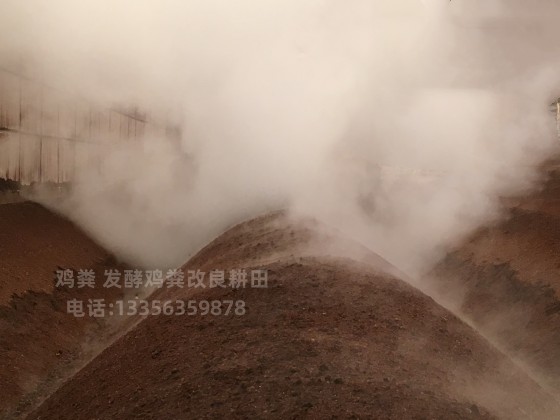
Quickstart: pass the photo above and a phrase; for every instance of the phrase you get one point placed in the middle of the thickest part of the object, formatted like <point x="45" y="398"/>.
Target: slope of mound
<point x="328" y="338"/>
<point x="40" y="343"/>
<point x="506" y="280"/>
<point x="34" y="242"/>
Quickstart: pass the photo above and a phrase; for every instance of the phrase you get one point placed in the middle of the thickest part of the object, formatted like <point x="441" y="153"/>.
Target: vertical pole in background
<point x="7" y="169"/>
<point x="89" y="125"/>
<point x="58" y="143"/>
<point x="75" y="144"/>
<point x="41" y="133"/>
<point x="20" y="124"/>
<point x="558" y="119"/>
<point x="90" y="142"/>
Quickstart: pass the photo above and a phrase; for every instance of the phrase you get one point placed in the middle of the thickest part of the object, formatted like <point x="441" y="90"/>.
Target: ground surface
<point x="329" y="338"/>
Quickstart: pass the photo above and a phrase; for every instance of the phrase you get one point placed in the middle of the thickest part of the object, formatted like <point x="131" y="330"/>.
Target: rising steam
<point x="401" y="122"/>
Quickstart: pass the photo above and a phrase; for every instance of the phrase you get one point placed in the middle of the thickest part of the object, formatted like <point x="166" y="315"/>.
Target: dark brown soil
<point x="40" y="343"/>
<point x="329" y="338"/>
<point x="506" y="280"/>
<point x="34" y="242"/>
<point x="8" y="185"/>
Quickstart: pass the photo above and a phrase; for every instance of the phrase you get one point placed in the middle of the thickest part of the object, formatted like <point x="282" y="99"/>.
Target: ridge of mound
<point x="330" y="337"/>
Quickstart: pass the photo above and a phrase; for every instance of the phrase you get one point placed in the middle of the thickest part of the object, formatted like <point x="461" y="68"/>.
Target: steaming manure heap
<point x="330" y="337"/>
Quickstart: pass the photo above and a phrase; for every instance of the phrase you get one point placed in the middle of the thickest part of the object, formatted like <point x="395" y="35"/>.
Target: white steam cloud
<point x="401" y="122"/>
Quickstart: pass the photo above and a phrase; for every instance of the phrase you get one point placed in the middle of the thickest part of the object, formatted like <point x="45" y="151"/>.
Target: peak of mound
<point x="330" y="337"/>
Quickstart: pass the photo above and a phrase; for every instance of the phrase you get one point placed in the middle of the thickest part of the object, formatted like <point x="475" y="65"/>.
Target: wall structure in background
<point x="46" y="133"/>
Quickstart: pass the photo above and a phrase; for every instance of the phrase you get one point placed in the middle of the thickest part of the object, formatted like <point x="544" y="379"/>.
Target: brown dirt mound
<point x="506" y="280"/>
<point x="34" y="242"/>
<point x="40" y="344"/>
<point x="329" y="338"/>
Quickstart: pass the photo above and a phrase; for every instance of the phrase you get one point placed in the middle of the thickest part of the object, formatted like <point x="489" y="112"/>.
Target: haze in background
<point x="400" y="122"/>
